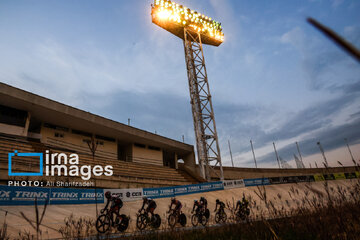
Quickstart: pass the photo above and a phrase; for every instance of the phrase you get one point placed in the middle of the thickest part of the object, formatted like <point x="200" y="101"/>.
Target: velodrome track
<point x="55" y="214"/>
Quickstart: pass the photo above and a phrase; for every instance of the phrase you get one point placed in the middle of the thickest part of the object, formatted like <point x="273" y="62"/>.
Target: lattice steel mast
<point x="195" y="29"/>
<point x="201" y="105"/>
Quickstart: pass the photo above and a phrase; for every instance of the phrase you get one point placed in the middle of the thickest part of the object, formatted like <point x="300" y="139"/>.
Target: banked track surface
<point x="55" y="214"/>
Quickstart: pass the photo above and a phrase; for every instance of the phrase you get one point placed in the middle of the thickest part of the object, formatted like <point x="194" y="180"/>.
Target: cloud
<point x="325" y="65"/>
<point x="331" y="138"/>
<point x="336" y="3"/>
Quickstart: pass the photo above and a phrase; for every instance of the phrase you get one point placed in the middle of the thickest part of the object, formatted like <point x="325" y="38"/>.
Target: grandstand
<point x="31" y="123"/>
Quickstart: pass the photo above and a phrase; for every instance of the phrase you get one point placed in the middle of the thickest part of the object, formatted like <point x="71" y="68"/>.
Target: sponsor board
<point x="256" y="182"/>
<point x="319" y="177"/>
<point x="27" y="195"/>
<point x="182" y="190"/>
<point x="159" y="192"/>
<point x="228" y="184"/>
<point x="131" y="194"/>
<point x="329" y="176"/>
<point x="339" y="176"/>
<point x="350" y="175"/>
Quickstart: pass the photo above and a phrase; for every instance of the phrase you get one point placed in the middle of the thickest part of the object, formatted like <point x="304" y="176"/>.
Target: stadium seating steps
<point x="125" y="173"/>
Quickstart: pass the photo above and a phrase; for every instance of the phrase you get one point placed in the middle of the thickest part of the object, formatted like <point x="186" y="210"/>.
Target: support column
<point x="27" y="123"/>
<point x="203" y="114"/>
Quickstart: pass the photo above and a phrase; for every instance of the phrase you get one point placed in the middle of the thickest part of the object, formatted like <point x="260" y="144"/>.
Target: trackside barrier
<point x="164" y="192"/>
<point x="26" y="195"/>
<point x="256" y="182"/>
<point x="127" y="195"/>
<point x="10" y="195"/>
<point x="228" y="184"/>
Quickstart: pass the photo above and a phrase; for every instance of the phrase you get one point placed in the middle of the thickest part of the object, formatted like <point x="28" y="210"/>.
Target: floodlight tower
<point x="195" y="29"/>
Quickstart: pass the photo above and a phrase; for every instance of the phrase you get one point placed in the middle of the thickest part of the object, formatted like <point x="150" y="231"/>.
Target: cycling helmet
<point x="195" y="201"/>
<point x="217" y="200"/>
<point x="173" y="199"/>
<point x="202" y="199"/>
<point x="108" y="194"/>
<point x="145" y="198"/>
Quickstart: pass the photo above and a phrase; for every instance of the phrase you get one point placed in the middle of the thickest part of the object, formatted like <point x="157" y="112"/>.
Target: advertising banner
<point x="27" y="195"/>
<point x="182" y="190"/>
<point x="131" y="194"/>
<point x="23" y="195"/>
<point x="319" y="177"/>
<point x="76" y="196"/>
<point x="256" y="182"/>
<point x="339" y="176"/>
<point x="159" y="192"/>
<point x="228" y="184"/>
<point x="350" y="175"/>
<point x="329" y="176"/>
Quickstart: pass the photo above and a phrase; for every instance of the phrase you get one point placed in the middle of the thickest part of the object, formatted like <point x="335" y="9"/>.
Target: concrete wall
<point x="146" y="155"/>
<point x="48" y="136"/>
<point x="11" y="129"/>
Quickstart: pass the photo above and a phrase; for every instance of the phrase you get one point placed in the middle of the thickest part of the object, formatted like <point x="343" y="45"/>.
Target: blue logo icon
<point x="40" y="155"/>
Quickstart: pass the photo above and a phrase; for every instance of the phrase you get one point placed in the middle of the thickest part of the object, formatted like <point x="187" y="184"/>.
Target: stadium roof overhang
<point x="57" y="113"/>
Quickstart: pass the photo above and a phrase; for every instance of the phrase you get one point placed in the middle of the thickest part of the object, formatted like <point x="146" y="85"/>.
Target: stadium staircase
<point x="126" y="174"/>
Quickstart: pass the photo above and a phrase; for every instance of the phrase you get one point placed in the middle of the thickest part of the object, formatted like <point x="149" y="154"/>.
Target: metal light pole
<point x="252" y="149"/>
<point x="232" y="162"/>
<point x="323" y="154"/>
<point x="195" y="29"/>
<point x="297" y="146"/>
<point x="277" y="156"/>
<point x="347" y="144"/>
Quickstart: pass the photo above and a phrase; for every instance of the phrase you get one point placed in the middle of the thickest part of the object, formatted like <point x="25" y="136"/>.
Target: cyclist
<point x="243" y="204"/>
<point x="197" y="205"/>
<point x="177" y="204"/>
<point x="116" y="204"/>
<point x="203" y="203"/>
<point x="238" y="205"/>
<point x="220" y="204"/>
<point x="151" y="205"/>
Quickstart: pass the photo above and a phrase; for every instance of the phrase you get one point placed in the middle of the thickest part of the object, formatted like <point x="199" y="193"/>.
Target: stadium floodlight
<point x="196" y="29"/>
<point x="174" y="18"/>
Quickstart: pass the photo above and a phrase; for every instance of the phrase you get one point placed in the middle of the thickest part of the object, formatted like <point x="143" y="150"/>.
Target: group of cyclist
<point x="200" y="208"/>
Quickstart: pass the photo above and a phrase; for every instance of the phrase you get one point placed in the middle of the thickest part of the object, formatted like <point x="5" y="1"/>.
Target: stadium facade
<point x="31" y="123"/>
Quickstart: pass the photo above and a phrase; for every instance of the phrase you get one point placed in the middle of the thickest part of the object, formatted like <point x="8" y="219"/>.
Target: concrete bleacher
<point x="126" y="174"/>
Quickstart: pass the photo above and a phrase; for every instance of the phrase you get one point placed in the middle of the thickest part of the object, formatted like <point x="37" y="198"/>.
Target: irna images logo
<point x="60" y="164"/>
<point x="15" y="153"/>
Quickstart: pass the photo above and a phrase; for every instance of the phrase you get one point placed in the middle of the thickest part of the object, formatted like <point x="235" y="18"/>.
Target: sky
<point x="274" y="79"/>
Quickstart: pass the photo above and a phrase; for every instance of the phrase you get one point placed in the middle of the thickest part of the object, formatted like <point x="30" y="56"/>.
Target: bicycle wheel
<point x="172" y="220"/>
<point x="103" y="223"/>
<point x="156" y="222"/>
<point x="194" y="220"/>
<point x="218" y="217"/>
<point x="124" y="223"/>
<point x="182" y="220"/>
<point x="141" y="222"/>
<point x="247" y="211"/>
<point x="207" y="213"/>
<point x="223" y="217"/>
<point x="203" y="219"/>
<point x="238" y="217"/>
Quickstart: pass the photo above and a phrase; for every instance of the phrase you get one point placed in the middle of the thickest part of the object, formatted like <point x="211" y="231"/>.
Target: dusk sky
<point x="274" y="79"/>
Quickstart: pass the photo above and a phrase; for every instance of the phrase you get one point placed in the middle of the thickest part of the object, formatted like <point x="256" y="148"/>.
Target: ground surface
<point x="55" y="214"/>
